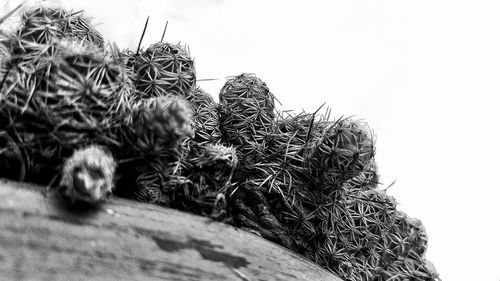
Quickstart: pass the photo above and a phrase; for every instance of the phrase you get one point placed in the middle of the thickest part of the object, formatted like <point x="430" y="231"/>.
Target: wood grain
<point x="42" y="238"/>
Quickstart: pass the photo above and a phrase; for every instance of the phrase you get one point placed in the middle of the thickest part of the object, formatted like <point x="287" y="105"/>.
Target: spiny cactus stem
<point x="5" y="77"/>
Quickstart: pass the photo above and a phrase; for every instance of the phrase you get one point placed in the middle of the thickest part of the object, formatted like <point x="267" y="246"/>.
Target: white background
<point x="425" y="75"/>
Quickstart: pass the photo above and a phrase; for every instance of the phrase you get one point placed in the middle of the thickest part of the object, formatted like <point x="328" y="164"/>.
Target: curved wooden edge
<point x="42" y="238"/>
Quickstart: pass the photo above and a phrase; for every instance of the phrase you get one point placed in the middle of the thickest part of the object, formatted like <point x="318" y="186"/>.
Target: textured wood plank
<point x="43" y="239"/>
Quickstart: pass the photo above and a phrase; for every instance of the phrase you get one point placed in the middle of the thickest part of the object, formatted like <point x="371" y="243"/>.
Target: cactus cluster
<point x="310" y="184"/>
<point x="58" y="93"/>
<point x="43" y="23"/>
<point x="301" y="180"/>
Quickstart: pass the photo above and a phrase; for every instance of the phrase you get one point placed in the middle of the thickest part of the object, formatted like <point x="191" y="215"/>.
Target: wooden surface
<point x="41" y="238"/>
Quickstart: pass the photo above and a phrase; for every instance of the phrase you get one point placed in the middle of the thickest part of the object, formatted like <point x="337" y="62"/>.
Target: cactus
<point x="160" y="123"/>
<point x="206" y="117"/>
<point x="340" y="151"/>
<point x="43" y="23"/>
<point x="163" y="69"/>
<point x="247" y="115"/>
<point x="300" y="180"/>
<point x="58" y="98"/>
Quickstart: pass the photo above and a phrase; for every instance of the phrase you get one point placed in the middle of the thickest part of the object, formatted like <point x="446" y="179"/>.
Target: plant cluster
<point x="301" y="180"/>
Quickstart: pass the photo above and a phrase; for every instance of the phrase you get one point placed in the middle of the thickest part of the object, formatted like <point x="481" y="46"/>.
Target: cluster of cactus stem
<point x="301" y="180"/>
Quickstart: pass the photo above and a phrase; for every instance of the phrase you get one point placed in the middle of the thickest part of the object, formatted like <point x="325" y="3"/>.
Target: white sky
<point x="425" y="75"/>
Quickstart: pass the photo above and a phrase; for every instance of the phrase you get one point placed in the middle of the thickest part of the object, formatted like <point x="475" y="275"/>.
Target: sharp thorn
<point x="142" y="36"/>
<point x="164" y="30"/>
<point x="2" y="19"/>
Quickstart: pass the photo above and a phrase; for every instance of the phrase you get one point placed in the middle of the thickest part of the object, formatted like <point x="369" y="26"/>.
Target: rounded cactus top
<point x="163" y="69"/>
<point x="247" y="87"/>
<point x="43" y="23"/>
<point x="247" y="111"/>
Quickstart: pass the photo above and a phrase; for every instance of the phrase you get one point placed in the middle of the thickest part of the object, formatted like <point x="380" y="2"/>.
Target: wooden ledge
<point x="42" y="239"/>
